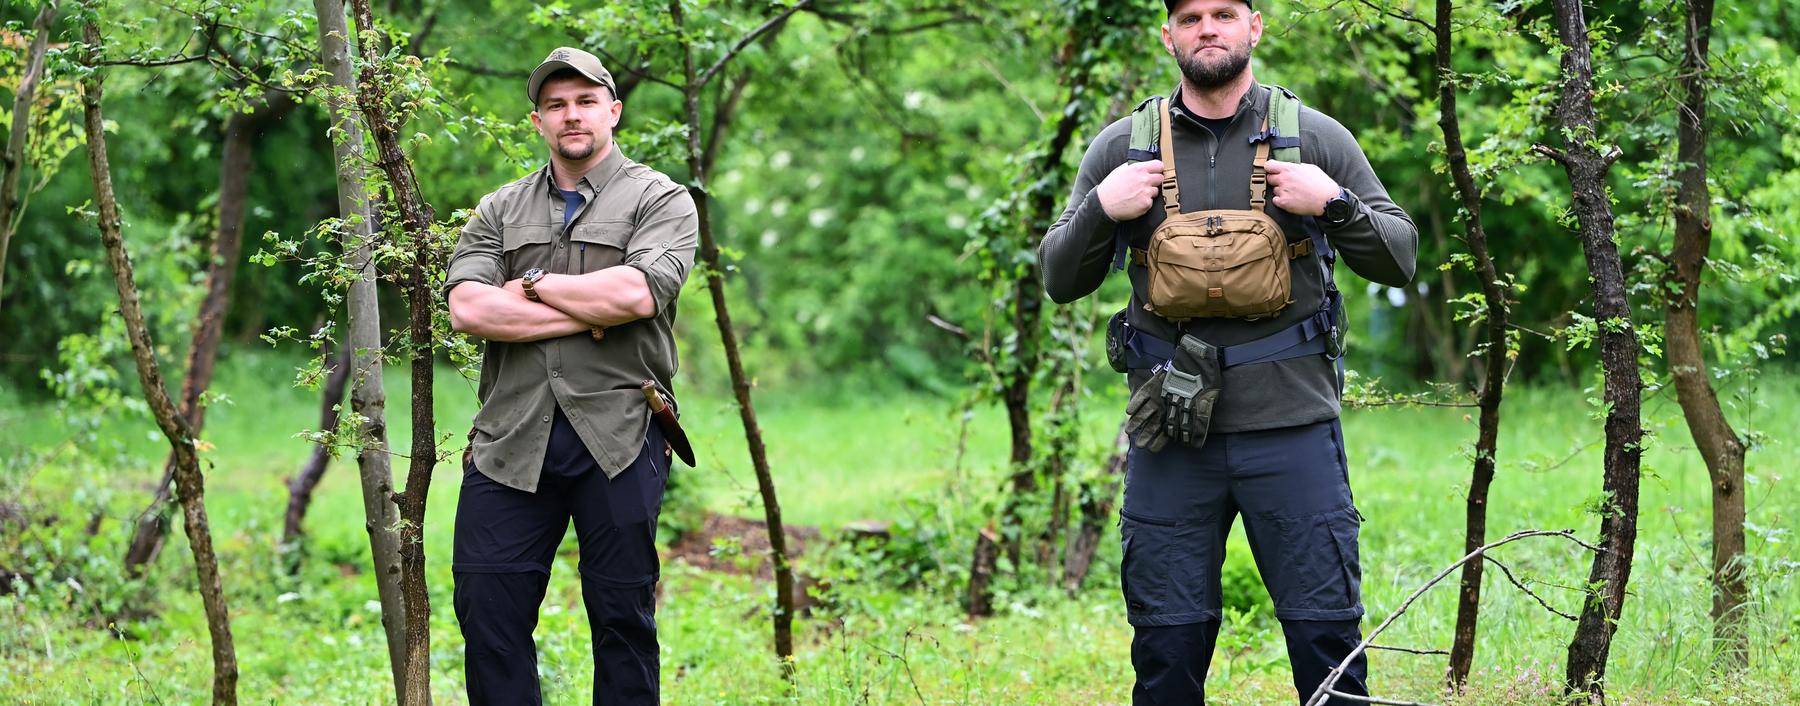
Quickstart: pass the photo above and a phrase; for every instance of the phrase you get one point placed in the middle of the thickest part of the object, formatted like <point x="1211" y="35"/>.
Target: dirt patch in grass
<point x="737" y="545"/>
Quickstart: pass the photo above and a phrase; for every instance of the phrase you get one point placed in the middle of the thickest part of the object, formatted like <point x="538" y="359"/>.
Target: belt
<point x="1315" y="335"/>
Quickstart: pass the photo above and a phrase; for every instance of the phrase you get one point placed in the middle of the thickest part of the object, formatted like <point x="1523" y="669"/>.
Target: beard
<point x="1206" y="74"/>
<point x="576" y="152"/>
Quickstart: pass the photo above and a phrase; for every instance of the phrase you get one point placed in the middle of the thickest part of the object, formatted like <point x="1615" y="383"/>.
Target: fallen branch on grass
<point x="1326" y="689"/>
<point x="1408" y="650"/>
<point x="1509" y="576"/>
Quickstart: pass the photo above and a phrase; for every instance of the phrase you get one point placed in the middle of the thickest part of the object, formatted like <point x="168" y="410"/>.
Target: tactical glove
<point x="1190" y="390"/>
<point x="1144" y="415"/>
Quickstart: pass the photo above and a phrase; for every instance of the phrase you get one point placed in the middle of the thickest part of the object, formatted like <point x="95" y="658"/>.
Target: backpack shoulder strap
<point x="1146" y="129"/>
<point x="1145" y="145"/>
<point x="1284" y="124"/>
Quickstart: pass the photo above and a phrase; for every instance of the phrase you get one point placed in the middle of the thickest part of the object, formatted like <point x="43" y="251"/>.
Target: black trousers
<point x="1293" y="490"/>
<point x="505" y="540"/>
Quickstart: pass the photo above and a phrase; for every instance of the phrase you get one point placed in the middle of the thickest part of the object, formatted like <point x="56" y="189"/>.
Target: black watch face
<point x="1337" y="210"/>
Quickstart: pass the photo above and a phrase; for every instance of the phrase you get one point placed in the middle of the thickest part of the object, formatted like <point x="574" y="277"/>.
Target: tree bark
<point x="415" y="216"/>
<point x="981" y="572"/>
<point x="235" y="167"/>
<point x="1096" y="511"/>
<point x="1586" y="166"/>
<point x="1493" y="385"/>
<point x="699" y="158"/>
<point x="1027" y="313"/>
<point x="190" y="487"/>
<point x="368" y="397"/>
<point x="12" y="162"/>
<point x="300" y="487"/>
<point x="1719" y="444"/>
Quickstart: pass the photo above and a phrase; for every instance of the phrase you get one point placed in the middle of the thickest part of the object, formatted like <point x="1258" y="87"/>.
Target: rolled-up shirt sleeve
<point x="663" y="246"/>
<point x="477" y="257"/>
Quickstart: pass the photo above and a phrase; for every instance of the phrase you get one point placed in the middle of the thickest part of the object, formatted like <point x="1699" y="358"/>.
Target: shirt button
<point x="556" y="373"/>
<point x="546" y="419"/>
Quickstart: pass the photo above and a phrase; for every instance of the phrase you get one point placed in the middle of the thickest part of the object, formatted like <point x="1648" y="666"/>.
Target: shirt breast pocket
<point x="526" y="247"/>
<point x="597" y="246"/>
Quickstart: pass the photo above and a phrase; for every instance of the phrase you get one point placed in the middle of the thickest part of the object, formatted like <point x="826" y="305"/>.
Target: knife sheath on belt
<point x="671" y="428"/>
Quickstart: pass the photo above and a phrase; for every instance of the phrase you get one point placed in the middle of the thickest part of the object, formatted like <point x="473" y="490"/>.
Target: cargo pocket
<point x="597" y="246"/>
<point x="526" y="247"/>
<point x="1164" y="571"/>
<point x="1321" y="574"/>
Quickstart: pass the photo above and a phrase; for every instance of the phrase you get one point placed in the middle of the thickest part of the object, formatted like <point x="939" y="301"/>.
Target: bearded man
<point x="1232" y="345"/>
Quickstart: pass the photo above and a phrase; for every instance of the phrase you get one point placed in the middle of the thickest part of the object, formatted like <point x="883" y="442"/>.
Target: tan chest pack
<point x="1221" y="263"/>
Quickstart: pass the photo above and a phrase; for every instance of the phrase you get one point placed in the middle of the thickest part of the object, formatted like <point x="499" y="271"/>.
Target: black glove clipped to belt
<point x="1189" y="391"/>
<point x="1144" y="415"/>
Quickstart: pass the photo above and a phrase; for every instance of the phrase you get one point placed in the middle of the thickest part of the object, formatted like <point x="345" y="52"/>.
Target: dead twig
<point x="1325" y="687"/>
<point x="1516" y="582"/>
<point x="1374" y="700"/>
<point x="947" y="326"/>
<point x="1408" y="650"/>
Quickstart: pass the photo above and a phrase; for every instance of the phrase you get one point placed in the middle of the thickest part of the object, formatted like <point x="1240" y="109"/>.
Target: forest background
<point x="877" y="173"/>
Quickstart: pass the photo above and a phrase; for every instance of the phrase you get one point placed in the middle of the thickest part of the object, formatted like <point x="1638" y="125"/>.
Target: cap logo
<point x="559" y="55"/>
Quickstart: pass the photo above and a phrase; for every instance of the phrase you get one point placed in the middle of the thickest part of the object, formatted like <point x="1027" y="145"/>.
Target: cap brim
<point x="544" y="70"/>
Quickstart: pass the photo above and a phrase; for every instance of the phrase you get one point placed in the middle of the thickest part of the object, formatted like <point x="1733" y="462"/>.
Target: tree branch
<point x="1515" y="581"/>
<point x="742" y="42"/>
<point x="939" y="322"/>
<point x="1553" y="153"/>
<point x="172" y="61"/>
<point x="722" y="111"/>
<point x="1374" y="700"/>
<point x="1404" y="16"/>
<point x="1331" y="679"/>
<point x="1407" y="650"/>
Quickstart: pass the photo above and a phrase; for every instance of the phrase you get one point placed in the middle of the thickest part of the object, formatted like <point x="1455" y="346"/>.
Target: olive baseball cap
<point x="569" y="58"/>
<point x="1170" y="4"/>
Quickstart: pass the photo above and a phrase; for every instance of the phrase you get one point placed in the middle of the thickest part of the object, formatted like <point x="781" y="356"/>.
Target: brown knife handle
<point x="651" y="395"/>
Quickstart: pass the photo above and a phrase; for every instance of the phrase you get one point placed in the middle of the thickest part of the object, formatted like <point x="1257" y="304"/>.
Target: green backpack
<point x="1146" y="128"/>
<point x="1284" y="127"/>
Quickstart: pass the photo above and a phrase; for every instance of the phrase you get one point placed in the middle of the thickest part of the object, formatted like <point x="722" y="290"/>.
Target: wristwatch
<point x="529" y="280"/>
<point x="1341" y="208"/>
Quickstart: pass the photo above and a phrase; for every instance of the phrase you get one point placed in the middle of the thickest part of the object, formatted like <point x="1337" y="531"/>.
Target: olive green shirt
<point x="631" y="215"/>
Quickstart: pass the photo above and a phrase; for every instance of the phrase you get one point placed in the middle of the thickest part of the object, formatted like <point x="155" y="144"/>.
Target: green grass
<point x="314" y="638"/>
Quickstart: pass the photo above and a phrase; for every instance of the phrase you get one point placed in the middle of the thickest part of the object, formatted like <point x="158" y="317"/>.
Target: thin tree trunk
<point x="699" y="158"/>
<point x="372" y="97"/>
<point x="1027" y="313"/>
<point x="235" y="168"/>
<point x="1096" y="512"/>
<point x="1718" y="443"/>
<point x="1587" y="167"/>
<point x="1063" y="418"/>
<point x="1493" y="385"/>
<point x="368" y="397"/>
<point x="190" y="486"/>
<point x="981" y="572"/>
<point x="13" y="160"/>
<point x="300" y="487"/>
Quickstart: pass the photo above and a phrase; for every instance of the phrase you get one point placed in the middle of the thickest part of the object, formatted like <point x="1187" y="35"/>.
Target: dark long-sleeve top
<point x="1379" y="242"/>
